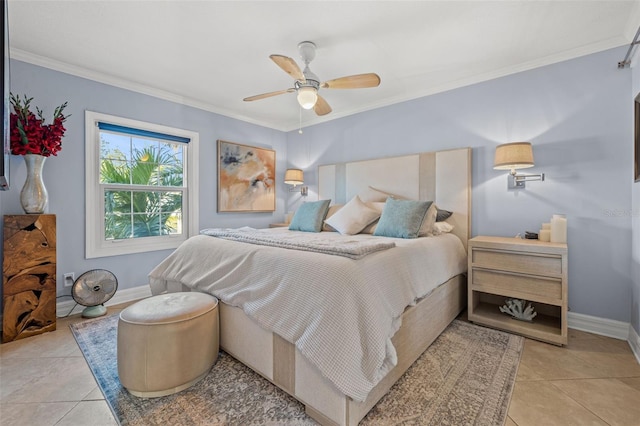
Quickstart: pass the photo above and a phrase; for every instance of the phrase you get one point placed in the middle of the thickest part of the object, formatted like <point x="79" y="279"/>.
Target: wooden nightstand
<point x="278" y="225"/>
<point x="501" y="268"/>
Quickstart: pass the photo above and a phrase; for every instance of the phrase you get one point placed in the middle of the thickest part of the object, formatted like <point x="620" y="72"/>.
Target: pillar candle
<point x="558" y="228"/>
<point x="544" y="235"/>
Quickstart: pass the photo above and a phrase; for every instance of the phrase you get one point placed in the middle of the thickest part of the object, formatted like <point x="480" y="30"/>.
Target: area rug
<point x="465" y="377"/>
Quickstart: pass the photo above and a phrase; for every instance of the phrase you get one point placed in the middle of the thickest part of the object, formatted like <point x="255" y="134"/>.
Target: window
<point x="141" y="186"/>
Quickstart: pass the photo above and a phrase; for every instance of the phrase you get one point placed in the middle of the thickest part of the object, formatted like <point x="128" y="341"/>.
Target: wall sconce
<point x="512" y="156"/>
<point x="295" y="177"/>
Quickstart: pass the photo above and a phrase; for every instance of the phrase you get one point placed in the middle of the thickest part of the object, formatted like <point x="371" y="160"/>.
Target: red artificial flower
<point x="29" y="134"/>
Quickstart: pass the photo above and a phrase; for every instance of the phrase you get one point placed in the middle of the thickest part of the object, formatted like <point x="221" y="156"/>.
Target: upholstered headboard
<point x="441" y="176"/>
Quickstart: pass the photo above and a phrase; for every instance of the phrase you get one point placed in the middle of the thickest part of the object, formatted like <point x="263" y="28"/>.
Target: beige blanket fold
<point x="306" y="241"/>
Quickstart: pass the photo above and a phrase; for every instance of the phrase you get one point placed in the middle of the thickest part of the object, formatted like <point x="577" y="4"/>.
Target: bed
<point x="336" y="331"/>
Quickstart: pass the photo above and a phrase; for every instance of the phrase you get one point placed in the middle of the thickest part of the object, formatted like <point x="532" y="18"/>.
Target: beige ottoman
<point x="166" y="343"/>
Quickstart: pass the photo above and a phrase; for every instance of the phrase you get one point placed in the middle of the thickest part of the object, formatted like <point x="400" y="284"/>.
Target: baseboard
<point x="603" y="326"/>
<point x="606" y="327"/>
<point x="121" y="296"/>
<point x="597" y="325"/>
<point x="634" y="342"/>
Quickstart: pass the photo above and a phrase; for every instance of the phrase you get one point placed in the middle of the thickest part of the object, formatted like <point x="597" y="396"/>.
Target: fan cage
<point x="94" y="287"/>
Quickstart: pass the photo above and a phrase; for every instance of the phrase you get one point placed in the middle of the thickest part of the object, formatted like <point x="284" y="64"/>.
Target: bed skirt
<point x="282" y="364"/>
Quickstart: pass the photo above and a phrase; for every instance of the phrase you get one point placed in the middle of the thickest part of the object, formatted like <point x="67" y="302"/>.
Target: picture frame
<point x="246" y="178"/>
<point x="636" y="153"/>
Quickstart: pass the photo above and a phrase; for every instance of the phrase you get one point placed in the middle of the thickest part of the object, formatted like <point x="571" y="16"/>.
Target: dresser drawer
<point x="527" y="263"/>
<point x="516" y="285"/>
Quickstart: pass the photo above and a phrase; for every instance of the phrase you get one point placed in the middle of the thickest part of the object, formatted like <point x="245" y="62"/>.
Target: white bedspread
<point x="340" y="313"/>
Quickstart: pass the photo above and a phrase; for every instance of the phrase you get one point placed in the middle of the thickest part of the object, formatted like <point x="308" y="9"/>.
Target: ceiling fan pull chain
<point x="300" y="115"/>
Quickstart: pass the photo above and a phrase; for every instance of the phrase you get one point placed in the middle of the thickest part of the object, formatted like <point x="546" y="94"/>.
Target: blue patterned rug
<point x="465" y="377"/>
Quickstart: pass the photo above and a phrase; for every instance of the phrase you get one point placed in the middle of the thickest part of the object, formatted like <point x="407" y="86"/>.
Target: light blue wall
<point x="635" y="218"/>
<point x="576" y="114"/>
<point x="64" y="174"/>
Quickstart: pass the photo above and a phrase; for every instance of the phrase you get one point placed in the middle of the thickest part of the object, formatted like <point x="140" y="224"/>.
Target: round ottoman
<point x="166" y="343"/>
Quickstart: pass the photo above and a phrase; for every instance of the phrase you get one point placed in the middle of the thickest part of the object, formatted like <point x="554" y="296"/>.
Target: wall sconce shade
<point x="294" y="177"/>
<point x="512" y="156"/>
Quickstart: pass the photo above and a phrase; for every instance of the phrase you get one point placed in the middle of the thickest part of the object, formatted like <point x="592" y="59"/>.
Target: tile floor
<point x="595" y="380"/>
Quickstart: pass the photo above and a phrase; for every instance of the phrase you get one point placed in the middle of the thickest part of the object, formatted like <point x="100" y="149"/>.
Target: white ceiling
<point x="212" y="54"/>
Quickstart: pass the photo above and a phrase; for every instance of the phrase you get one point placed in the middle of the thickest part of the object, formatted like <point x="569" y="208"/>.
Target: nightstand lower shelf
<point x="543" y="327"/>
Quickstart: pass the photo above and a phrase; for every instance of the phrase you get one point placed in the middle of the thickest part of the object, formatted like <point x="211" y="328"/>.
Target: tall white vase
<point x="34" y="196"/>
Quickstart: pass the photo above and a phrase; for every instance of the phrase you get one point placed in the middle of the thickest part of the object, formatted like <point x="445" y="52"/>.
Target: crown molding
<point x="293" y="124"/>
<point x="122" y="83"/>
<point x="479" y="78"/>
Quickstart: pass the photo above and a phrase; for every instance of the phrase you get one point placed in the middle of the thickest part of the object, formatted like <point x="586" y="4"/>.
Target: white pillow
<point x="371" y="228"/>
<point x="442" y="228"/>
<point x="378" y="206"/>
<point x="427" y="227"/>
<point x="353" y="217"/>
<point x="372" y="194"/>
<point x="332" y="210"/>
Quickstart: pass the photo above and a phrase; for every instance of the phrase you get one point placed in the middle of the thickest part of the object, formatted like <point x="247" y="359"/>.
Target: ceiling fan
<point x="307" y="84"/>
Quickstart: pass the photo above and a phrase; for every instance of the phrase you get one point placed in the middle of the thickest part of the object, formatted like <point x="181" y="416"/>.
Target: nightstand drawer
<point x="517" y="262"/>
<point x="515" y="285"/>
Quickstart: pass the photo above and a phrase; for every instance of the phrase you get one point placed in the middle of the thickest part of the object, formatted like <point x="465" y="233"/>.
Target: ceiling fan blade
<point x="321" y="107"/>
<point x="268" y="95"/>
<point x="359" y="81"/>
<point x="289" y="66"/>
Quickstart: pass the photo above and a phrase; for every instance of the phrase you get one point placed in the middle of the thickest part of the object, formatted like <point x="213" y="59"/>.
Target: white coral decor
<point x="516" y="308"/>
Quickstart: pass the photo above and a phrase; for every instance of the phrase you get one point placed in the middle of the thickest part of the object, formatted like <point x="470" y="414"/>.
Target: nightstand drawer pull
<point x="515" y="285"/>
<point x="517" y="262"/>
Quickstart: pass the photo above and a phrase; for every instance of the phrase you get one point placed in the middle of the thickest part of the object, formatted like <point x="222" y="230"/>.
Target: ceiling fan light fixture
<point x="306" y="84"/>
<point x="307" y="97"/>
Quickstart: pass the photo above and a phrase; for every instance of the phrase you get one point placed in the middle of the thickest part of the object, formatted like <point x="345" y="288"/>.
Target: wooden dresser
<point x="501" y="268"/>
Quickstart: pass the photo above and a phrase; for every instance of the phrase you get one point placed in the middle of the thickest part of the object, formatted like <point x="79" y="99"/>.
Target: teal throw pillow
<point x="401" y="218"/>
<point x="309" y="216"/>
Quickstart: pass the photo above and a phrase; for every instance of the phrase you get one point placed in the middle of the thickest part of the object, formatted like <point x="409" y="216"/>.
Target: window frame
<point x="96" y="245"/>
